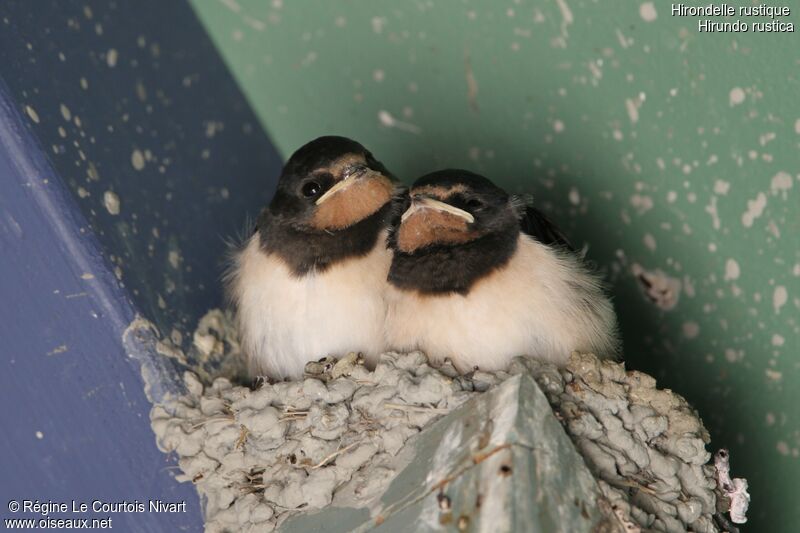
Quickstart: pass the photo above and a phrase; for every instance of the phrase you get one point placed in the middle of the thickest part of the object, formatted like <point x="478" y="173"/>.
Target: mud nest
<point x="261" y="456"/>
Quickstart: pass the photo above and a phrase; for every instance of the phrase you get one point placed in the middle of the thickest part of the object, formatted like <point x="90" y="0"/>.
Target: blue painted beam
<point x="132" y="98"/>
<point x="74" y="413"/>
<point x="102" y="101"/>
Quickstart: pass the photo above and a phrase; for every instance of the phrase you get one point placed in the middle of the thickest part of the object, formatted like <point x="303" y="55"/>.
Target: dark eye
<point x="311" y="188"/>
<point x="474" y="203"/>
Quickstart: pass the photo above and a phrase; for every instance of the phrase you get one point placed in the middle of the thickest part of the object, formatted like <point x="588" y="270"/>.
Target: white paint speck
<point x="174" y="258"/>
<point x="732" y="270"/>
<point x="797" y="126"/>
<point x="732" y="355"/>
<point x="711" y="209"/>
<point x="777" y="340"/>
<point x="111" y="201"/>
<point x="722" y="187"/>
<point x="736" y="96"/>
<point x="111" y="57"/>
<point x="230" y="4"/>
<point x="212" y="128"/>
<point x="137" y="159"/>
<point x="632" y="105"/>
<point x="773" y="229"/>
<point x="649" y="241"/>
<point x="688" y="286"/>
<point x="31" y="112"/>
<point x="566" y="16"/>
<point x="641" y="203"/>
<point x="386" y="119"/>
<point x="781" y="183"/>
<point x="624" y="42"/>
<point x="65" y="112"/>
<point x="755" y="208"/>
<point x="574" y="196"/>
<point x="690" y="329"/>
<point x="773" y="375"/>
<point x="764" y="139"/>
<point x="648" y="12"/>
<point x="779" y="298"/>
<point x="594" y="67"/>
<point x="660" y="288"/>
<point x="39" y="435"/>
<point x="633" y="110"/>
<point x="377" y="24"/>
<point x="378" y="75"/>
<point x="558" y="126"/>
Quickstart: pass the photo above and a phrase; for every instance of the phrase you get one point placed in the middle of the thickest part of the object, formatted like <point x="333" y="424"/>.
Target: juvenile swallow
<point x="310" y="281"/>
<point x="479" y="277"/>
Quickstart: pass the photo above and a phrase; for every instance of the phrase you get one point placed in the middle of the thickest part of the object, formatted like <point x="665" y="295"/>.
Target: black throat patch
<point x="306" y="251"/>
<point x="441" y="269"/>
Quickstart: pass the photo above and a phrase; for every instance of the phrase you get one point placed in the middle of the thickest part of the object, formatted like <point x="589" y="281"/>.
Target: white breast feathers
<point x="543" y="303"/>
<point x="286" y="320"/>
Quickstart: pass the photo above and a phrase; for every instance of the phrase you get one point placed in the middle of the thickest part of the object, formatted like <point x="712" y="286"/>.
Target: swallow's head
<point x="330" y="184"/>
<point x="451" y="208"/>
<point x="459" y="228"/>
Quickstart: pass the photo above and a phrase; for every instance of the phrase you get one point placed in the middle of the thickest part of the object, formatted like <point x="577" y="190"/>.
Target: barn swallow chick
<point x="310" y="281"/>
<point x="480" y="278"/>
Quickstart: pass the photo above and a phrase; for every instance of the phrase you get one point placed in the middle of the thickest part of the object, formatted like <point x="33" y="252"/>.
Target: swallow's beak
<point x="429" y="221"/>
<point x="424" y="202"/>
<point x="346" y="182"/>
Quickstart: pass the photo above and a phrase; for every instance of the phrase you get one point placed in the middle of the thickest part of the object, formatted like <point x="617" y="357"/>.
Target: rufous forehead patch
<point x="365" y="196"/>
<point x="429" y="226"/>
<point x="438" y="191"/>
<point x="338" y="167"/>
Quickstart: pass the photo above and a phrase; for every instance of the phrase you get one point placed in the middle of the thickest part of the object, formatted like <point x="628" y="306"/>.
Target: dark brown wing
<point x="537" y="225"/>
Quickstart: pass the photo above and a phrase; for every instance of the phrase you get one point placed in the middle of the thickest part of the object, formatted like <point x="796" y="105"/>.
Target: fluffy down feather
<point x="542" y="303"/>
<point x="286" y="320"/>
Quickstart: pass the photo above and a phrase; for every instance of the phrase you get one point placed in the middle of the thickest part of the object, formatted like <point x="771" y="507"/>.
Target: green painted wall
<point x="666" y="150"/>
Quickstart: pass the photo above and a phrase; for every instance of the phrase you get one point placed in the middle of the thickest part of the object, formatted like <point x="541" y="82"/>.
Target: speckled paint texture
<point x="672" y="154"/>
<point x="151" y="135"/>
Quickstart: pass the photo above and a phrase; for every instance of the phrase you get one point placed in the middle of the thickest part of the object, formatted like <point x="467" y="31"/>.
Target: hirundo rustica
<point x="310" y="281"/>
<point x="479" y="277"/>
